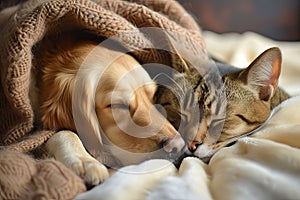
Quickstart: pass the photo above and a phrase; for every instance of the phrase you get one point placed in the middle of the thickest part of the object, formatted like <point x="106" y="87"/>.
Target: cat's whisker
<point x="204" y="152"/>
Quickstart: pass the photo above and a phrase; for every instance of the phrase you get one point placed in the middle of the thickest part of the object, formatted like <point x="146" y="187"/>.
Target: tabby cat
<point x="210" y="110"/>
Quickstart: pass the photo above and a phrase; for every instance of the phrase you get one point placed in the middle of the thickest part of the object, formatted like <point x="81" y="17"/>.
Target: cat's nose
<point x="194" y="145"/>
<point x="174" y="145"/>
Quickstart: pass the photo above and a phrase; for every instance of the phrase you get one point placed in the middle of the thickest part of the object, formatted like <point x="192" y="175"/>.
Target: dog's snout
<point x="174" y="145"/>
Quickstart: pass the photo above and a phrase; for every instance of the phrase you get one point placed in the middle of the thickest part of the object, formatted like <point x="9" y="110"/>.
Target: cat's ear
<point x="263" y="73"/>
<point x="177" y="61"/>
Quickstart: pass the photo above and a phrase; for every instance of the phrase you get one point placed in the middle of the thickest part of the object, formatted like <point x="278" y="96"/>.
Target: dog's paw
<point x="89" y="169"/>
<point x="66" y="147"/>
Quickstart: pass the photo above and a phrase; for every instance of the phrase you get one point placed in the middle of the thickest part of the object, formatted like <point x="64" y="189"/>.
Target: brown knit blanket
<point x="24" y="25"/>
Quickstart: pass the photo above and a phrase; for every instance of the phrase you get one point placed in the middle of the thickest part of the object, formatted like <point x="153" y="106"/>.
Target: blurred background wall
<point x="277" y="19"/>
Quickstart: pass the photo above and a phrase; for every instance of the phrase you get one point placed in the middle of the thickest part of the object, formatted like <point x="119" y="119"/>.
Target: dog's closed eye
<point x="119" y="106"/>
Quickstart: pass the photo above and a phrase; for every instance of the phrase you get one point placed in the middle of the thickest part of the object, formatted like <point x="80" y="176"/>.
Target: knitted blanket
<point x="24" y="25"/>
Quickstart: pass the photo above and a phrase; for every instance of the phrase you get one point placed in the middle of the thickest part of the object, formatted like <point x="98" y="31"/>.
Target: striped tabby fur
<point x="209" y="110"/>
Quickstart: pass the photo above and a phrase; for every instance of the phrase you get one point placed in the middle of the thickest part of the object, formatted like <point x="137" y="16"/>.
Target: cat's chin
<point x="204" y="153"/>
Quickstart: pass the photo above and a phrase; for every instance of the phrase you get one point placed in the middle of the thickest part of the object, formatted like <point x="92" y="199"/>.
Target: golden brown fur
<point x="103" y="95"/>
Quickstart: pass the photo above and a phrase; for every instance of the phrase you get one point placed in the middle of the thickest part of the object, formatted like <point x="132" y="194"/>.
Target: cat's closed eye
<point x="245" y="119"/>
<point x="217" y="121"/>
<point x="216" y="125"/>
<point x="165" y="104"/>
<point x="173" y="115"/>
<point x="174" y="119"/>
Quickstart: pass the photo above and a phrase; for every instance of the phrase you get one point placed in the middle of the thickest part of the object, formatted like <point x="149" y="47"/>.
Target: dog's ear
<point x="83" y="107"/>
<point x="56" y="104"/>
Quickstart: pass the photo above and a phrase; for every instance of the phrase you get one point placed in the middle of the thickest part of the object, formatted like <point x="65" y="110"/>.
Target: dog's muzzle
<point x="174" y="145"/>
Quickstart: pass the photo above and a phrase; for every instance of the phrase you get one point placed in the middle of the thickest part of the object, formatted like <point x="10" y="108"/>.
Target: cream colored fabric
<point x="241" y="49"/>
<point x="132" y="182"/>
<point x="264" y="166"/>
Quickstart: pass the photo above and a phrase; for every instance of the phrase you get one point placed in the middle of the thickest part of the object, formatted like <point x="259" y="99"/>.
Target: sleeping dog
<point x="81" y="88"/>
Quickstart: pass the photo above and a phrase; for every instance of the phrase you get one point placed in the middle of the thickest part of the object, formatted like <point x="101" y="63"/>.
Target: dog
<point x="100" y="101"/>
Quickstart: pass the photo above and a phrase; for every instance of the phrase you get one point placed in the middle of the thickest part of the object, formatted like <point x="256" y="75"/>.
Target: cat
<point x="210" y="110"/>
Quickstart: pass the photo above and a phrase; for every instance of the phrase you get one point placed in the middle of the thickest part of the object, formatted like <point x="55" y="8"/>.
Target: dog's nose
<point x="174" y="145"/>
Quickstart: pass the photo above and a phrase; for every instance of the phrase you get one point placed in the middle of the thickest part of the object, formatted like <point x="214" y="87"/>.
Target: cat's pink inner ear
<point x="264" y="73"/>
<point x="276" y="69"/>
